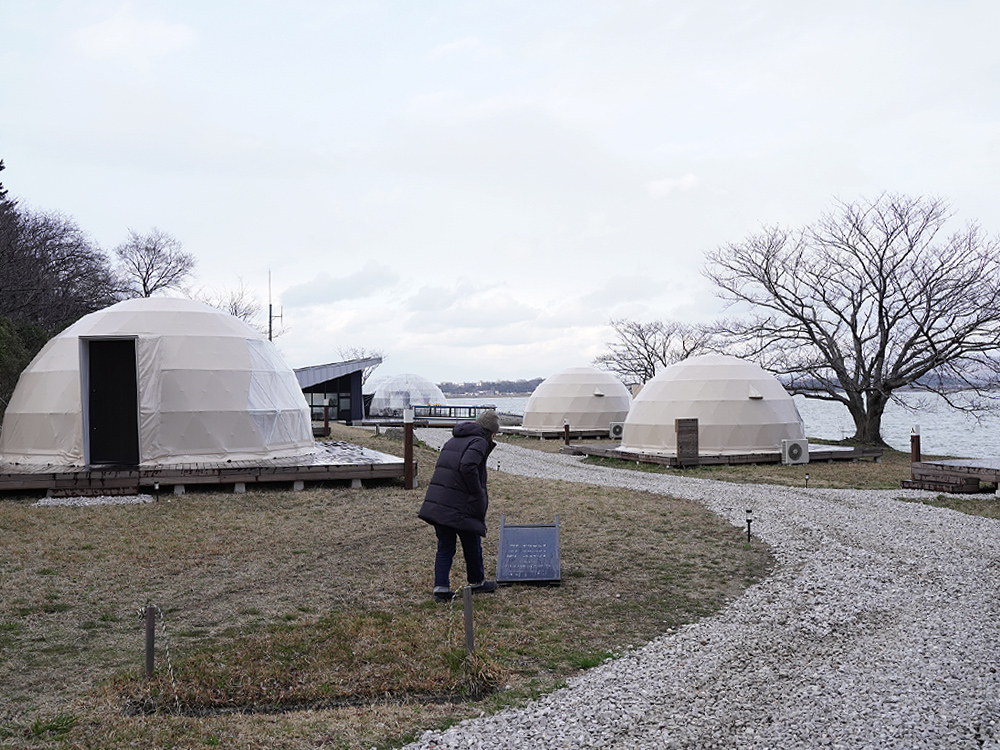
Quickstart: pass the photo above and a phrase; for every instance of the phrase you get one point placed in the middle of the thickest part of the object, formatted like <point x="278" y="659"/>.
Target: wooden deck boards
<point x="957" y="476"/>
<point x="331" y="461"/>
<point x="817" y="453"/>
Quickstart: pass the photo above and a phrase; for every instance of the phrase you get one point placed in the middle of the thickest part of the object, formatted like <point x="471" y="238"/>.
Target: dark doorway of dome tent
<point x="112" y="409"/>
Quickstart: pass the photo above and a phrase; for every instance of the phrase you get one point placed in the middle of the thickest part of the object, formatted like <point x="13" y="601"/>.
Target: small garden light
<point x="807" y="479"/>
<point x="749" y="521"/>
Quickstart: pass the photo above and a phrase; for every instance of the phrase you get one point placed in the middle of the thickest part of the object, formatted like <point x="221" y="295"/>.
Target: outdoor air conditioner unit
<point x="794" y="451"/>
<point x="616" y="430"/>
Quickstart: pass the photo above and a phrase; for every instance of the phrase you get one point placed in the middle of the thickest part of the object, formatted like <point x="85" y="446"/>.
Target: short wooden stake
<point x="150" y="638"/>
<point x="470" y="639"/>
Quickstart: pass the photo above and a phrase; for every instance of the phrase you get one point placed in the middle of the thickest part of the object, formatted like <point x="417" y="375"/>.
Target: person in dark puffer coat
<point x="456" y="503"/>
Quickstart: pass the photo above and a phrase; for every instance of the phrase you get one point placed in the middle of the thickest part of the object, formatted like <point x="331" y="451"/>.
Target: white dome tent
<point x="740" y="409"/>
<point x="403" y="391"/>
<point x="587" y="398"/>
<point x="156" y="381"/>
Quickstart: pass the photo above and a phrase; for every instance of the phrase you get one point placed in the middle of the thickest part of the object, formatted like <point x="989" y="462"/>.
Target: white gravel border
<point x="879" y="628"/>
<point x="81" y="501"/>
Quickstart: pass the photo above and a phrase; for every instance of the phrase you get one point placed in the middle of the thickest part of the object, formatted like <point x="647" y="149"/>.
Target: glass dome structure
<point x="403" y="391"/>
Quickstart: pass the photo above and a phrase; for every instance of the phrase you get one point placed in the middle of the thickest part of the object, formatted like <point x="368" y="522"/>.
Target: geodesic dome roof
<point x="588" y="398"/>
<point x="207" y="388"/>
<point x="740" y="408"/>
<point x="403" y="391"/>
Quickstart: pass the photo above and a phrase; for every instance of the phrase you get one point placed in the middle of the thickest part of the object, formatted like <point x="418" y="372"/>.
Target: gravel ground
<point x="878" y="629"/>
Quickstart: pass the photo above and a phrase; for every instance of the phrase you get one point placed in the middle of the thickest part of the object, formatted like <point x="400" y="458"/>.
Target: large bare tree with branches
<point x="152" y="262"/>
<point x="872" y="299"/>
<point x="640" y="350"/>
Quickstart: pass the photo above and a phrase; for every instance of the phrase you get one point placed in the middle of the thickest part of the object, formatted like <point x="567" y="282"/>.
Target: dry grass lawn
<point x="304" y="619"/>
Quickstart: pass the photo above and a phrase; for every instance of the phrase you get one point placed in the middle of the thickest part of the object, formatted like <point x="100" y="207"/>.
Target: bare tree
<point x="641" y="350"/>
<point x="871" y="299"/>
<point x="239" y="302"/>
<point x="152" y="262"/>
<point x="347" y="353"/>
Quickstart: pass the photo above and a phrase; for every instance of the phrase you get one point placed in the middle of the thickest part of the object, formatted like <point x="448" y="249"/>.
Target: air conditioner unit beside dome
<point x="616" y="430"/>
<point x="794" y="451"/>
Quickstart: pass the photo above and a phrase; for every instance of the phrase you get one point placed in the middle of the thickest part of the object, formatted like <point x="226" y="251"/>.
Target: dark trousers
<point x="472" y="548"/>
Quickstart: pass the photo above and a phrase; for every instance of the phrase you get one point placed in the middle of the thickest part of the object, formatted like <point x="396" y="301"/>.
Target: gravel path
<point x="878" y="629"/>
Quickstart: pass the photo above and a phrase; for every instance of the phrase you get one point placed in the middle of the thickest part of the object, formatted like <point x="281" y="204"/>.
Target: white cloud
<point x="466" y="44"/>
<point x="325" y="289"/>
<point x="123" y="35"/>
<point x="661" y="187"/>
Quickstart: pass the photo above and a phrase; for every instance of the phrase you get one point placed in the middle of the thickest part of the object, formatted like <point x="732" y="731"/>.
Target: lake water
<point x="943" y="431"/>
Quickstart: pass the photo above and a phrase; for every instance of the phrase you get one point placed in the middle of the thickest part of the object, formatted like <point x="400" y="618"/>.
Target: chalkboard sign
<point x="529" y="553"/>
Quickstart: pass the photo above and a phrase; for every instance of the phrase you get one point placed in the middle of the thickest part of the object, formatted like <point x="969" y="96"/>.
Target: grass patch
<point x="862" y="475"/>
<point x="985" y="505"/>
<point x="302" y="620"/>
<point x="57" y="727"/>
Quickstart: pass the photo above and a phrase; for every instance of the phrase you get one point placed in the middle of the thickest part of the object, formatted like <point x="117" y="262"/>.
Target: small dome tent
<point x="588" y="398"/>
<point x="740" y="408"/>
<point x="403" y="391"/>
<point x="156" y="381"/>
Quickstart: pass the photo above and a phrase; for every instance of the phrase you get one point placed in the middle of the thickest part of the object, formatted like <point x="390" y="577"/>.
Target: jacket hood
<point x="469" y="429"/>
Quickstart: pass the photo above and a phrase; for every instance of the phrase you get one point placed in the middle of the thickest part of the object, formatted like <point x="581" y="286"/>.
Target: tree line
<point x="492" y="387"/>
<point x="872" y="299"/>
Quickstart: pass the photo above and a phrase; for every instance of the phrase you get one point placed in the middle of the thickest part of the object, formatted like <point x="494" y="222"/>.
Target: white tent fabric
<point x="210" y="388"/>
<point x="589" y="399"/>
<point x="740" y="408"/>
<point x="403" y="391"/>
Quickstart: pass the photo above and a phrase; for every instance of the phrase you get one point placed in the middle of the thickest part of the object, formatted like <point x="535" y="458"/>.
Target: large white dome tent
<point x="403" y="391"/>
<point x="740" y="409"/>
<point x="587" y="398"/>
<point x="156" y="381"/>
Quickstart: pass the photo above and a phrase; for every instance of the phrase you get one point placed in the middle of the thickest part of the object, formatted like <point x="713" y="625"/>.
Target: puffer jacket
<point x="456" y="495"/>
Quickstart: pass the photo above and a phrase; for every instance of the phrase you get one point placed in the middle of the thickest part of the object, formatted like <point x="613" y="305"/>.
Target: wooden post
<point x="408" y="448"/>
<point x="326" y="419"/>
<point x="566" y="431"/>
<point x="150" y="638"/>
<point x="470" y="639"/>
<point x="914" y="447"/>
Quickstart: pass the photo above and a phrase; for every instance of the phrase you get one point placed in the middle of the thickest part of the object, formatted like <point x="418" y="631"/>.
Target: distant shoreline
<point x="487" y="396"/>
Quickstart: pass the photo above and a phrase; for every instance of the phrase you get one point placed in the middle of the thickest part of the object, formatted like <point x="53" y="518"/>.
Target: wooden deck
<point x="331" y="461"/>
<point x="958" y="476"/>
<point x="817" y="453"/>
<point x="560" y="434"/>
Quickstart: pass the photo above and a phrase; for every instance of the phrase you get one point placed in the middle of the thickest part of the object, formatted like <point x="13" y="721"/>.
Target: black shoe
<point x="443" y="595"/>
<point x="485" y="587"/>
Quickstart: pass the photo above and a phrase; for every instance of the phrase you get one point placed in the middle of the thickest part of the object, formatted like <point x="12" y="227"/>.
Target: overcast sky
<point x="476" y="188"/>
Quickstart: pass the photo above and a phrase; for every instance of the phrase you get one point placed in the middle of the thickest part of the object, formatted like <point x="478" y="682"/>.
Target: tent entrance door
<point x="113" y="409"/>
